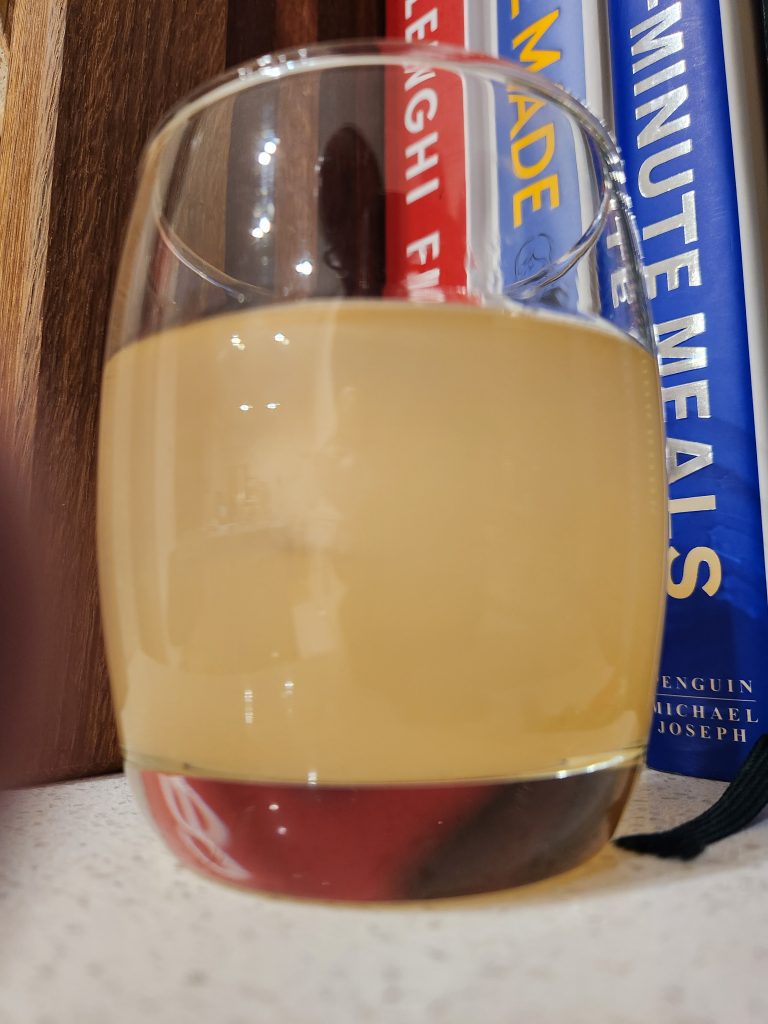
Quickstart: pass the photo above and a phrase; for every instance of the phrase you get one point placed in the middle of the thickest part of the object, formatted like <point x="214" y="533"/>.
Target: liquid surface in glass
<point x="376" y="551"/>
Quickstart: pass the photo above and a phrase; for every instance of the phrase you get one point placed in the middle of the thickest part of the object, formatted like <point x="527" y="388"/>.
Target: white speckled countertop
<point x="98" y="925"/>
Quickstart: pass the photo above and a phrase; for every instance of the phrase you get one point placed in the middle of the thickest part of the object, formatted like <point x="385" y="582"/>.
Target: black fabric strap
<point x="740" y="804"/>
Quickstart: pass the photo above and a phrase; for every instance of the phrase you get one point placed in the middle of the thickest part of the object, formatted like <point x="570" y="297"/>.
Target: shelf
<point x="102" y="925"/>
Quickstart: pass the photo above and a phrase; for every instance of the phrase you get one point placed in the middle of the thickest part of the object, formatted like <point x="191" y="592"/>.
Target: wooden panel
<point x="352" y="19"/>
<point x="87" y="80"/>
<point x="5" y="35"/>
<point x="261" y="27"/>
<point x="117" y="65"/>
<point x="6" y="12"/>
<point x="256" y="28"/>
<point x="250" y="29"/>
<point x="26" y="163"/>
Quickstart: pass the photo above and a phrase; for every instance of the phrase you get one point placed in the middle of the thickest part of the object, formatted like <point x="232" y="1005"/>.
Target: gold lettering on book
<point x="532" y="153"/>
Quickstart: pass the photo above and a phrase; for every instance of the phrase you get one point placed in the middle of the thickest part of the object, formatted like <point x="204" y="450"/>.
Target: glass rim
<point x="379" y="52"/>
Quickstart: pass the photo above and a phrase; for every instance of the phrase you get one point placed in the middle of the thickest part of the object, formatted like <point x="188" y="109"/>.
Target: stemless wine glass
<point x="381" y="481"/>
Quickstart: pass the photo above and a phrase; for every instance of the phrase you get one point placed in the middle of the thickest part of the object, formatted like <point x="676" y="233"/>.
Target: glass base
<point x="383" y="843"/>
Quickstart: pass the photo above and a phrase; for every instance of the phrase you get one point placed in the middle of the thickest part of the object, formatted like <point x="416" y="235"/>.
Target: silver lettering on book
<point x="662" y="108"/>
<point x="659" y="40"/>
<point x="686" y="220"/>
<point x="717" y="709"/>
<point x="422" y="156"/>
<point x="660" y="77"/>
<point x="649" y="43"/>
<point x="699" y="684"/>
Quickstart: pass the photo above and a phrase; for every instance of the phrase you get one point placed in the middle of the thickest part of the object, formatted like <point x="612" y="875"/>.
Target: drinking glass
<point x="382" y="496"/>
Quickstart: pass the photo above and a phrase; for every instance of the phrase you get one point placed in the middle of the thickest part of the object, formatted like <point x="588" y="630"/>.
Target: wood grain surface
<point x="75" y="125"/>
<point x="273" y="25"/>
<point x="261" y="27"/>
<point x="6" y="13"/>
<point x="87" y="81"/>
<point x="26" y="167"/>
<point x="4" y="58"/>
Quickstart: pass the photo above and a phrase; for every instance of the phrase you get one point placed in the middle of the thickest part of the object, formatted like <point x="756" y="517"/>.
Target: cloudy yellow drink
<point x="379" y="544"/>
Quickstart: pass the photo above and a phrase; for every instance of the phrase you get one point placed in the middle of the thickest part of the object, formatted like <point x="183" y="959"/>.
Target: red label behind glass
<point x="426" y="158"/>
<point x="312" y="841"/>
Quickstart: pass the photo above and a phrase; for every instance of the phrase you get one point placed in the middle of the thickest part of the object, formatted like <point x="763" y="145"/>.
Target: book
<point x="426" y="172"/>
<point x="683" y="94"/>
<point x="493" y="240"/>
<point x="688" y="120"/>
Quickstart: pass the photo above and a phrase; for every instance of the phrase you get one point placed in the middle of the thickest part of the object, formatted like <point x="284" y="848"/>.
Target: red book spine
<point x="426" y="160"/>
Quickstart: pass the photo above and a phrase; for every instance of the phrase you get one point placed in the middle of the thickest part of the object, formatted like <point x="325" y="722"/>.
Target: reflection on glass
<point x="418" y="612"/>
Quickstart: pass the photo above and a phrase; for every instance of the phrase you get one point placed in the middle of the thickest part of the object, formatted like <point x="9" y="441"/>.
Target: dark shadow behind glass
<point x="20" y="639"/>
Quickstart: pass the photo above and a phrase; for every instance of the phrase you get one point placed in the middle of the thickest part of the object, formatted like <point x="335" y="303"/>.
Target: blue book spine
<point x="673" y="123"/>
<point x="541" y="222"/>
